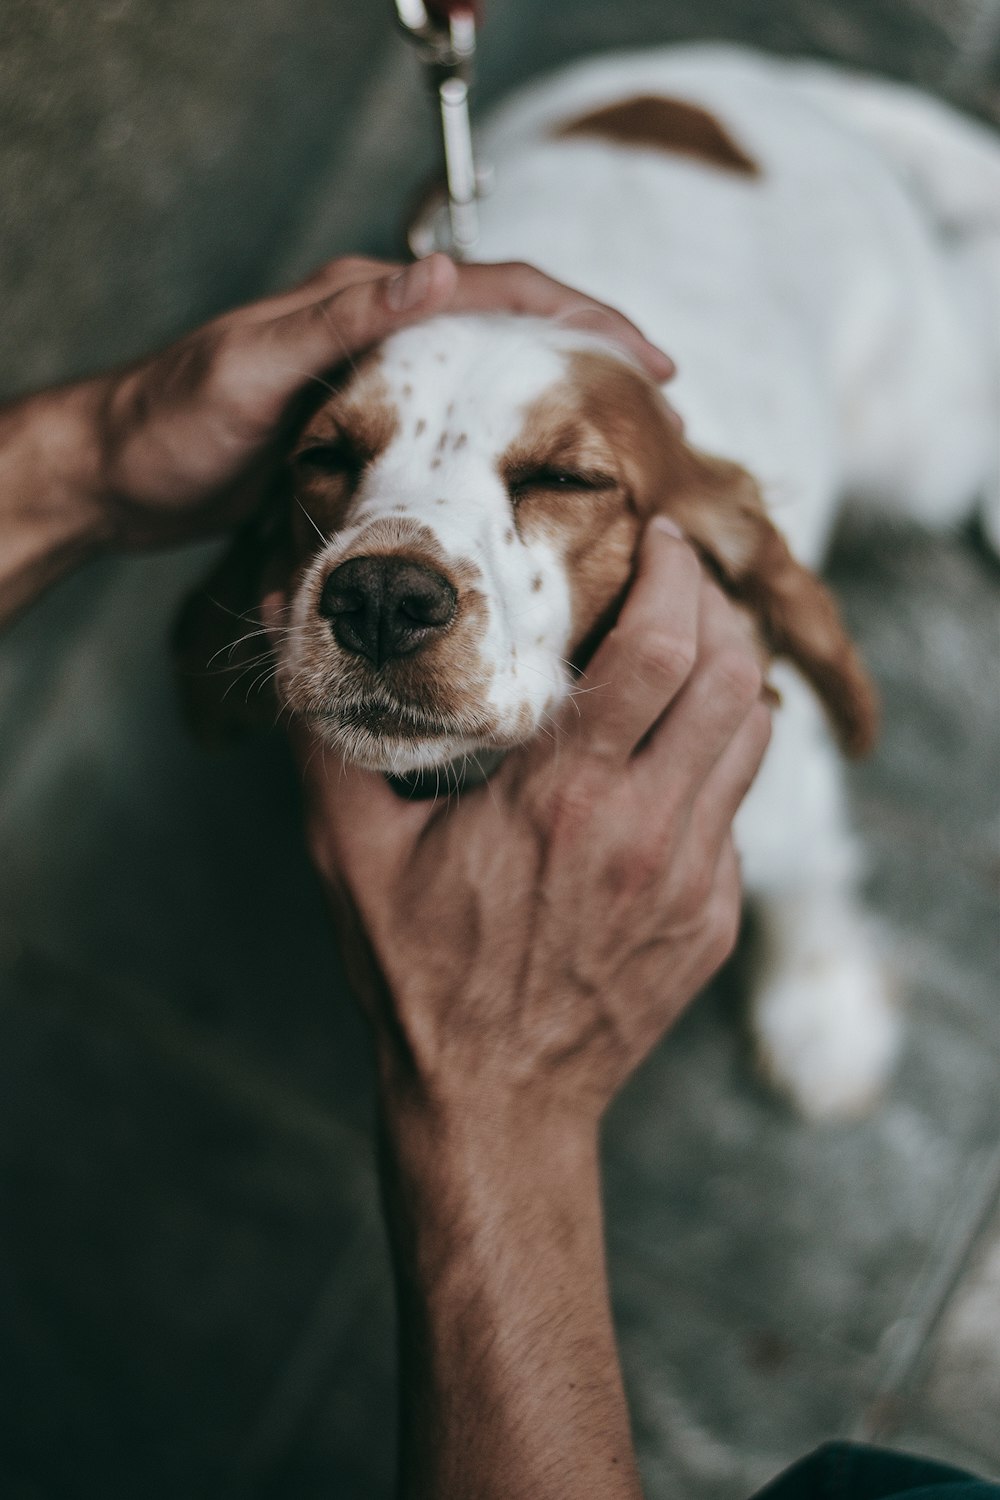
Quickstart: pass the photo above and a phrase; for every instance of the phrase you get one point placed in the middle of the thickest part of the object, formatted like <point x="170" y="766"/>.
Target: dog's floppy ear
<point x="720" y="509"/>
<point x="222" y="660"/>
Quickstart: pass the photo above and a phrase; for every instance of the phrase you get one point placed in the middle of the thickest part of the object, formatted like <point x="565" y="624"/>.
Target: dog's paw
<point x="826" y="1031"/>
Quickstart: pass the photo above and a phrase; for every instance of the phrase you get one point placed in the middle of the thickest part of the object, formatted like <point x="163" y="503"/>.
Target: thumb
<point x="331" y="329"/>
<point x="358" y="830"/>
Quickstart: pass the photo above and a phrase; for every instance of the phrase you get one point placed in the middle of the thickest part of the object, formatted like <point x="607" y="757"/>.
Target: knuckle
<point x="663" y="659"/>
<point x="737" y="674"/>
<point x="572" y="804"/>
<point x="636" y="870"/>
<point x="218" y="363"/>
<point x="353" y="265"/>
<point x="349" y="311"/>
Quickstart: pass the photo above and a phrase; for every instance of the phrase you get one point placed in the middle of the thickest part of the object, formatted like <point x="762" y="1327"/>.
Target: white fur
<point x="814" y="313"/>
<point x="447" y="379"/>
<point x="828" y="337"/>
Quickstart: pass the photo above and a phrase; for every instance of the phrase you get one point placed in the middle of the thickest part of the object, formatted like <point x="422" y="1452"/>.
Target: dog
<point x="821" y="254"/>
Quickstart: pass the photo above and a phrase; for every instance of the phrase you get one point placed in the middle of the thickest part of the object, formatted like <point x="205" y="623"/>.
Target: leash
<point x="444" y="35"/>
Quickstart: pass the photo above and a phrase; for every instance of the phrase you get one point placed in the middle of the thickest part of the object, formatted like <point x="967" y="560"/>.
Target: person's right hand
<point x="524" y="950"/>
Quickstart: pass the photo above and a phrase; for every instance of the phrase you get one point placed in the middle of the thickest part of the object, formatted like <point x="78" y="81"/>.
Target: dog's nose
<point x="386" y="607"/>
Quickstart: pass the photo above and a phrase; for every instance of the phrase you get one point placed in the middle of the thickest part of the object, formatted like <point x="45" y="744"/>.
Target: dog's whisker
<point x="234" y="645"/>
<point x="309" y="518"/>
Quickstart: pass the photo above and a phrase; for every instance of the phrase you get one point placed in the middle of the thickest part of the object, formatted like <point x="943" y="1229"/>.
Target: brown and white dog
<point x="462" y="513"/>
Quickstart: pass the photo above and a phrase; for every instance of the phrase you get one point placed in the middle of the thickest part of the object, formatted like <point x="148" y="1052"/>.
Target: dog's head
<point x="458" y="528"/>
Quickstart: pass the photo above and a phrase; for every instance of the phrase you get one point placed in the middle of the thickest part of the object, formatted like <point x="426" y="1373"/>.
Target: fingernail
<point x="664" y="523"/>
<point x="409" y="288"/>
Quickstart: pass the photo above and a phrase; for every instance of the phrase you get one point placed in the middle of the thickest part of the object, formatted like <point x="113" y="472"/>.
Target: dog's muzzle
<point x="386" y="607"/>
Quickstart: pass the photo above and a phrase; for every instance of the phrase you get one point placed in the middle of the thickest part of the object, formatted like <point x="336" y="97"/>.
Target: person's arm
<point x="185" y="443"/>
<point x="521" y="953"/>
<point x="50" y="520"/>
<point x="509" y="1376"/>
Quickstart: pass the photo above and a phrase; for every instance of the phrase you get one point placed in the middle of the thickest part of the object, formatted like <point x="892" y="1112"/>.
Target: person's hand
<point x="523" y="950"/>
<point x="520" y="953"/>
<point x="190" y="436"/>
<point x="185" y="443"/>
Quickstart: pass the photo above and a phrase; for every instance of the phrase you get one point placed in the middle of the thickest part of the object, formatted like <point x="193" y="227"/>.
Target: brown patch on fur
<point x="720" y="508"/>
<point x="591" y="423"/>
<point x="460" y="441"/>
<point x="663" y="124"/>
<point x="364" y="419"/>
<point x="364" y="412"/>
<point x="607" y="419"/>
<point x="421" y="427"/>
<point x="222" y="663"/>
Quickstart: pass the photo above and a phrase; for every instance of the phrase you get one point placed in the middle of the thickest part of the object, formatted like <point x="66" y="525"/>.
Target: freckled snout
<point x="386" y="607"/>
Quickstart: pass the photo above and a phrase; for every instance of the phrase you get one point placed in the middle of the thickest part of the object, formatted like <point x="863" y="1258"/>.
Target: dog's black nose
<point x="386" y="607"/>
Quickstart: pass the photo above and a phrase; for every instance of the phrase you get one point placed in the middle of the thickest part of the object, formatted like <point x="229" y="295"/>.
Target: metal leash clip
<point x="444" y="33"/>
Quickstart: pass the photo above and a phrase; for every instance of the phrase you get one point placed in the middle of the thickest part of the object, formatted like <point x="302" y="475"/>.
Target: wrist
<point x="499" y="1137"/>
<point x="50" y="467"/>
<point x="509" y="1371"/>
<point x="479" y="1174"/>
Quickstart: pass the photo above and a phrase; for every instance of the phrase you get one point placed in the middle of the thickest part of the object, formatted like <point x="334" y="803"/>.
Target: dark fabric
<point x="850" y="1471"/>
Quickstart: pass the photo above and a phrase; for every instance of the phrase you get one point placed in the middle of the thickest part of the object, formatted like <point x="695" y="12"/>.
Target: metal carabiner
<point x="444" y="33"/>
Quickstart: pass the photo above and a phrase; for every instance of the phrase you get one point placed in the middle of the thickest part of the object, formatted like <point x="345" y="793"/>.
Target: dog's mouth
<point x="396" y="737"/>
<point x="391" y="721"/>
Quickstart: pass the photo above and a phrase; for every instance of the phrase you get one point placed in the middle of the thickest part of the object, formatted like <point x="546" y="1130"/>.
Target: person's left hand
<point x="187" y="439"/>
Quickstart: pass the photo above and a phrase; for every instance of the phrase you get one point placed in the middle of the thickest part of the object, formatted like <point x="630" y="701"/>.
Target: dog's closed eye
<point x="336" y="456"/>
<point x="526" y="481"/>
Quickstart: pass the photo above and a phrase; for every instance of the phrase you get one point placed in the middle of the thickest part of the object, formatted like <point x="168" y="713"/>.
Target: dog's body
<point x="832" y="327"/>
<point x="753" y="217"/>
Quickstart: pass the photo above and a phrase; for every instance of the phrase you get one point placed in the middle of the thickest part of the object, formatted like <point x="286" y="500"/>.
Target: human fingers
<point x="723" y="911"/>
<point x="515" y="287"/>
<point x="729" y="780"/>
<point x="357" y="829"/>
<point x="717" y="696"/>
<point x="327" y="330"/>
<point x="643" y="663"/>
<point x="324" y="281"/>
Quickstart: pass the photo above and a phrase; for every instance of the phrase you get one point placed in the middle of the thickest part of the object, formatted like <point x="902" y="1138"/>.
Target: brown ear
<point x="720" y="508"/>
<point x="222" y="661"/>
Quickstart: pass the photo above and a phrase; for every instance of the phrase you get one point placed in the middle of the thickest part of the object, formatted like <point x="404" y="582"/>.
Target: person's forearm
<point x="50" y="517"/>
<point x="510" y="1383"/>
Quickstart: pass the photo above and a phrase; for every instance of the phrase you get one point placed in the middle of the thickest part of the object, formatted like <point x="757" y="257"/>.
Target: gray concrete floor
<point x="195" y="1296"/>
